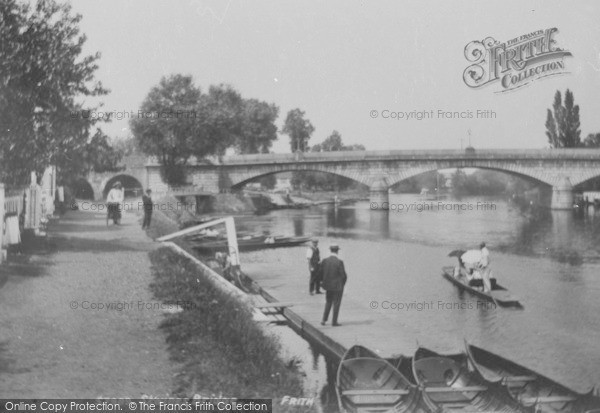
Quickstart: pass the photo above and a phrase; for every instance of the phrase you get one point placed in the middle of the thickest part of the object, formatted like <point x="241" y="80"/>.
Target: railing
<point x="14" y="204"/>
<point x="434" y="154"/>
<point x="28" y="203"/>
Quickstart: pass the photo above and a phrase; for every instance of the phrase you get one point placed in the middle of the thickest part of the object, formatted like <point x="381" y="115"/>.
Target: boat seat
<point x="548" y="399"/>
<point x="455" y="389"/>
<point x="512" y="379"/>
<point x="376" y="392"/>
<point x="436" y="370"/>
<point x="478" y="282"/>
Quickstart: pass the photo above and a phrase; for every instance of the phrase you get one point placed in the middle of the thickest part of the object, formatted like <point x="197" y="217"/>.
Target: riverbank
<point x="222" y="351"/>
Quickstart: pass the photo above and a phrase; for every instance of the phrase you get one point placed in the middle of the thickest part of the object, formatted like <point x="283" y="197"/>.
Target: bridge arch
<point x="82" y="189"/>
<point x="416" y="172"/>
<point x="589" y="176"/>
<point x="132" y="186"/>
<point x="536" y="176"/>
<point x="242" y="179"/>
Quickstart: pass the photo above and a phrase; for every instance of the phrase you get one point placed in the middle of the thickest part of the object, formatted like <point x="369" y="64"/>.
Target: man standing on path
<point x="147" y="200"/>
<point x="334" y="280"/>
<point x="314" y="261"/>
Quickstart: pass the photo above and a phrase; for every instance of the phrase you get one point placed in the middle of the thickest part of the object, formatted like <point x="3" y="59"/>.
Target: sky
<point x="340" y="61"/>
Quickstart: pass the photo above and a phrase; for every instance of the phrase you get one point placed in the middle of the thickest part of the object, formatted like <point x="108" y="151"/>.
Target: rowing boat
<point x="367" y="383"/>
<point x="528" y="387"/>
<point x="449" y="382"/>
<point x="499" y="295"/>
<point x="252" y="243"/>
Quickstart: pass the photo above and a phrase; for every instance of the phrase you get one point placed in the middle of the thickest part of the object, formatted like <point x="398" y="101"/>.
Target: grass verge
<point x="221" y="350"/>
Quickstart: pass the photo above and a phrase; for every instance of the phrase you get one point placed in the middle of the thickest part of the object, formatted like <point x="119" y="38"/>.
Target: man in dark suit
<point x="334" y="280"/>
<point x="147" y="200"/>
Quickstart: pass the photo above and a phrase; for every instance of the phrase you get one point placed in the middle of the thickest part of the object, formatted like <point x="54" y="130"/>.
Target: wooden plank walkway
<point x="387" y="336"/>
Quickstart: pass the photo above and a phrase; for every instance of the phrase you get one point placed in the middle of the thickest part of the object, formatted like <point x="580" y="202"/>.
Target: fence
<point x="27" y="204"/>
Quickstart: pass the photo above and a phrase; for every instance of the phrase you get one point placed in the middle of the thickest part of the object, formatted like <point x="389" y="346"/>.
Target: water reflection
<point x="315" y="356"/>
<point x="328" y="396"/>
<point x="338" y="217"/>
<point x="379" y="222"/>
<point x="298" y="221"/>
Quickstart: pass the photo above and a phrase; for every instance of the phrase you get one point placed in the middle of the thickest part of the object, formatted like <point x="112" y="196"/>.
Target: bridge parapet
<point x="441" y="154"/>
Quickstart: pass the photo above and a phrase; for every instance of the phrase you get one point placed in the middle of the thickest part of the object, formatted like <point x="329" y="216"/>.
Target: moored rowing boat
<point x="528" y="387"/>
<point x="367" y="383"/>
<point x="253" y="243"/>
<point x="449" y="382"/>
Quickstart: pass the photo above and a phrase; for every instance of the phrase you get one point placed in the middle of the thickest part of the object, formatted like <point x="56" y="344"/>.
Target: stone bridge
<point x="560" y="169"/>
<point x="133" y="175"/>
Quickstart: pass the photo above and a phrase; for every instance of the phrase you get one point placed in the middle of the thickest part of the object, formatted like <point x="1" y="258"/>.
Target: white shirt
<point x="115" y="195"/>
<point x="485" y="257"/>
<point x="309" y="253"/>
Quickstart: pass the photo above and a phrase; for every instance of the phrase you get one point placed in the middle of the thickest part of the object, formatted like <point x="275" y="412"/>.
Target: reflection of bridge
<point x="561" y="169"/>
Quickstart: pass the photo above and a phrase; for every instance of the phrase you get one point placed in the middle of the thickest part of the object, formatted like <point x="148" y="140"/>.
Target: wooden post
<point x="232" y="244"/>
<point x="2" y="212"/>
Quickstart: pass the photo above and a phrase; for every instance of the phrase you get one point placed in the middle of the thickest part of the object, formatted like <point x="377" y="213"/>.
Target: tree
<point x="298" y="129"/>
<point x="258" y="127"/>
<point x="219" y="124"/>
<point x="125" y="146"/>
<point x="96" y="155"/>
<point x="333" y="142"/>
<point x="592" y="140"/>
<point x="42" y="73"/>
<point x="427" y="180"/>
<point x="562" y="123"/>
<point x="161" y="132"/>
<point x="178" y="121"/>
<point x="325" y="181"/>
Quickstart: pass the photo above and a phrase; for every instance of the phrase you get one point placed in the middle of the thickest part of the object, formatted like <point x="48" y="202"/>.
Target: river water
<point x="549" y="259"/>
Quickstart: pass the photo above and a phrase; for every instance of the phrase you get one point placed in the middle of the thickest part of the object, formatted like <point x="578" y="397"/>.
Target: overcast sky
<point x="340" y="60"/>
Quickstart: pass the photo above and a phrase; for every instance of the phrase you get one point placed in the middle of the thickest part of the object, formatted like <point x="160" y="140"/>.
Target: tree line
<point x="183" y="124"/>
<point x="562" y="124"/>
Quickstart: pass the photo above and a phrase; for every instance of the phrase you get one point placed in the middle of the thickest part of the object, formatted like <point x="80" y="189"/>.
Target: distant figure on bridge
<point x="334" y="280"/>
<point x="147" y="200"/>
<point x="314" y="263"/>
<point x="114" y="202"/>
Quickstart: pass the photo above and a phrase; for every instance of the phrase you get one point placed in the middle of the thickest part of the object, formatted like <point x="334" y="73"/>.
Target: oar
<point x="454" y="389"/>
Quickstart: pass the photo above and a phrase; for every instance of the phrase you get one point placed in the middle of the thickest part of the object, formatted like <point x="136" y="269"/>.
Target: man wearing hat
<point x="484" y="267"/>
<point x="334" y="280"/>
<point x="314" y="260"/>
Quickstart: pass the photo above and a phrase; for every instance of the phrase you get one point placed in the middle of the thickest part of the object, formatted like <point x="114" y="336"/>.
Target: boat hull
<point x="252" y="245"/>
<point x="499" y="295"/>
<point x="529" y="387"/>
<point x="449" y="382"/>
<point x="367" y="383"/>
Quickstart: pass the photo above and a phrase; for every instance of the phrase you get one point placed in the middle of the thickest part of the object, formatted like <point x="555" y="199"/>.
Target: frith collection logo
<point x="514" y="63"/>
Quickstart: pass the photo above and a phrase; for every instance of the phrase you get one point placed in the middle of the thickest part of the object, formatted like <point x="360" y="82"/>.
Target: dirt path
<point x="53" y="344"/>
